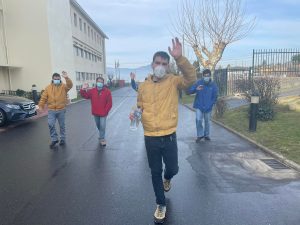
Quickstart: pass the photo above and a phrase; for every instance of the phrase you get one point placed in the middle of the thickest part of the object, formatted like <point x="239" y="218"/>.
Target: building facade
<point x="40" y="37"/>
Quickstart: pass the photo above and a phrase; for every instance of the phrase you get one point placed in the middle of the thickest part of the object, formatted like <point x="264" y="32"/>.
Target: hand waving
<point x="85" y="86"/>
<point x="64" y="74"/>
<point x="176" y="50"/>
<point x="132" y="75"/>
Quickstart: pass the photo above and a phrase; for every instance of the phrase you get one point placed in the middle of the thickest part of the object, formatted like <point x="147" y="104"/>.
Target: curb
<point x="274" y="154"/>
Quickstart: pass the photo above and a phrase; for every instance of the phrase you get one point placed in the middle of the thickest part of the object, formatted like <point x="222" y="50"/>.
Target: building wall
<point x="60" y="36"/>
<point x="4" y="82"/>
<point x="87" y="48"/>
<point x="42" y="38"/>
<point x="27" y="37"/>
<point x="3" y="58"/>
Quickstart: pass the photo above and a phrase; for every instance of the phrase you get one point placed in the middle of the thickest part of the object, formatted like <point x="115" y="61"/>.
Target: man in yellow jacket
<point x="158" y="99"/>
<point x="55" y="96"/>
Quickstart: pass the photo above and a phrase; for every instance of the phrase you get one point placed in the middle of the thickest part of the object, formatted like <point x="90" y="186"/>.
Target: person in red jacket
<point x="101" y="102"/>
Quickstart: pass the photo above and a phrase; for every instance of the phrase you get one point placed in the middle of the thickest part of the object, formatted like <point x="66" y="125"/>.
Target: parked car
<point x="14" y="108"/>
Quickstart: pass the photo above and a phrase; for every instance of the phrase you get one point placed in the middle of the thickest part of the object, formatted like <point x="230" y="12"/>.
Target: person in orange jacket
<point x="55" y="96"/>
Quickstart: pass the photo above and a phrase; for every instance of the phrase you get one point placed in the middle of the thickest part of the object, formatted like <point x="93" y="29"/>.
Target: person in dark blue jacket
<point x="134" y="85"/>
<point x="206" y="96"/>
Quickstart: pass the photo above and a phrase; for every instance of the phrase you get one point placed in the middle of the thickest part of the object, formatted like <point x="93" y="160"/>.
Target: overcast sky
<point x="138" y="28"/>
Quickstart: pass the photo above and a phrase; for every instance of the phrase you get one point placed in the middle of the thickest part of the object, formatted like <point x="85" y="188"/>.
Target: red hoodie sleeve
<point x="85" y="93"/>
<point x="108" y="104"/>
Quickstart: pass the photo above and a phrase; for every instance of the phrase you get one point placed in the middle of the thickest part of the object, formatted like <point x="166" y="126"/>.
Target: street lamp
<point x="253" y="112"/>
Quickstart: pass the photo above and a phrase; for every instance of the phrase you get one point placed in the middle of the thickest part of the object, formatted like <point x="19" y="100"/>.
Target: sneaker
<point x="199" y="139"/>
<point x="62" y="142"/>
<point x="52" y="144"/>
<point x="207" y="138"/>
<point x="167" y="185"/>
<point x="103" y="143"/>
<point x="160" y="214"/>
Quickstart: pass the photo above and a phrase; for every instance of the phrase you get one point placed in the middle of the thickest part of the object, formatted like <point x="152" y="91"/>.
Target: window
<point x="75" y="20"/>
<point x="88" y="31"/>
<point x="84" y="27"/>
<point x="80" y="23"/>
<point x="83" y="76"/>
<point x="95" y="37"/>
<point x="74" y="48"/>
<point x="86" y="54"/>
<point x="92" y="34"/>
<point x="77" y="51"/>
<point x="77" y="76"/>
<point x="81" y="51"/>
<point x="90" y="56"/>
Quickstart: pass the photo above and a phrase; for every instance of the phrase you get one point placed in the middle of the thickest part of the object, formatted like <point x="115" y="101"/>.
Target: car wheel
<point x="2" y="118"/>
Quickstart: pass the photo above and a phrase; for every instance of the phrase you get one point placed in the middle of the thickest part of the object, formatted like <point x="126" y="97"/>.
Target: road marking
<point x="115" y="109"/>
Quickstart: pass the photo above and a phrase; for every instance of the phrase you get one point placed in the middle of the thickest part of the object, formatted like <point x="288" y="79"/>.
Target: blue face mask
<point x="206" y="79"/>
<point x="99" y="85"/>
<point x="56" y="82"/>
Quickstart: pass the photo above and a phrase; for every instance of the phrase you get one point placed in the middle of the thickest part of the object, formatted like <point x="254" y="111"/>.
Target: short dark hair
<point x="100" y="78"/>
<point x="161" y="54"/>
<point x="55" y="75"/>
<point x="206" y="71"/>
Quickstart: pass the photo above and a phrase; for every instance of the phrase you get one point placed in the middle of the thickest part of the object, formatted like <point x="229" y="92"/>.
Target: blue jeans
<point x="101" y="124"/>
<point x="160" y="149"/>
<point x="58" y="115"/>
<point x="202" y="131"/>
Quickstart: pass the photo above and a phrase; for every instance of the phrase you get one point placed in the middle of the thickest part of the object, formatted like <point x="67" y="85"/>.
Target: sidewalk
<point x="234" y="103"/>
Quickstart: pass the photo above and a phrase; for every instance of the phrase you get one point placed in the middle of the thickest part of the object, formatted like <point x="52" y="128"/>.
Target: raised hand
<point x="132" y="75"/>
<point x="64" y="74"/>
<point x="38" y="109"/>
<point x="199" y="88"/>
<point x="176" y="50"/>
<point x="85" y="86"/>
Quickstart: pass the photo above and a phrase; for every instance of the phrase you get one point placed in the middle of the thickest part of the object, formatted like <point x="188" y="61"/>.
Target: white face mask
<point x="159" y="71"/>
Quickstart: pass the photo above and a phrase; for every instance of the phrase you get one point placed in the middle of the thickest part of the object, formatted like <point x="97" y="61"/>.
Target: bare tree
<point x="208" y="26"/>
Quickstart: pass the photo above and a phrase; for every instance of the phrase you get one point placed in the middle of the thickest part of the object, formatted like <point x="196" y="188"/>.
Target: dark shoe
<point x="199" y="139"/>
<point x="160" y="214"/>
<point x="207" y="138"/>
<point x="53" y="143"/>
<point x="62" y="142"/>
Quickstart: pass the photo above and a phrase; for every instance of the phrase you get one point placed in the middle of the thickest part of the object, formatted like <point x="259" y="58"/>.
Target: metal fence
<point x="278" y="62"/>
<point x="231" y="80"/>
<point x="20" y="93"/>
<point x="284" y="64"/>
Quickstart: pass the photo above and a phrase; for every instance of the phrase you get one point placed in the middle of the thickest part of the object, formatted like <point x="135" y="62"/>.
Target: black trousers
<point x="162" y="149"/>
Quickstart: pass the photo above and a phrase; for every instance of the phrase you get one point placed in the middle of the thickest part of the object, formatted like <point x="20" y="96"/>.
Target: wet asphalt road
<point x="221" y="182"/>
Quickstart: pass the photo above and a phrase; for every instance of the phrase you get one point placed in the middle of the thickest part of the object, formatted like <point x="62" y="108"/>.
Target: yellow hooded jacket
<point x="56" y="95"/>
<point x="159" y="100"/>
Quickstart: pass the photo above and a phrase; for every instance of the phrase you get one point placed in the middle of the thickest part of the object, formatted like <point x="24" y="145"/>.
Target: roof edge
<point x="77" y="6"/>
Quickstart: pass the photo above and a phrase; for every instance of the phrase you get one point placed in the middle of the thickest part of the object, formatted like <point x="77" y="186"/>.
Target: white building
<point x="40" y="37"/>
